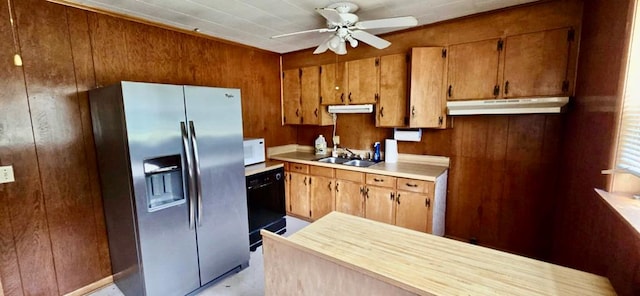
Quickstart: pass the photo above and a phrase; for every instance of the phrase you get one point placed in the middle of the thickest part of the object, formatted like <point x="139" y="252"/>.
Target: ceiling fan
<point x="346" y="27"/>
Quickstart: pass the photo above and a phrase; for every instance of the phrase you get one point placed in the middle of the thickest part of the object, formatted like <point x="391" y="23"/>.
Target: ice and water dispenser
<point x="164" y="182"/>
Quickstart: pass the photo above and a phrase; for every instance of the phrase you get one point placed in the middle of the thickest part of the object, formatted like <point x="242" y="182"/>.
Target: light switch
<point x="6" y="174"/>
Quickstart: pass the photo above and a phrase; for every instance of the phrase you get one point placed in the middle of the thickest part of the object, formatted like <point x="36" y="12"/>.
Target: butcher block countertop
<point x="430" y="265"/>
<point x="419" y="167"/>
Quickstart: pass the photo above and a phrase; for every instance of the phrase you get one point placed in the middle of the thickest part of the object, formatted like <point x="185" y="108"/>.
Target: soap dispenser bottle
<point x="376" y="151"/>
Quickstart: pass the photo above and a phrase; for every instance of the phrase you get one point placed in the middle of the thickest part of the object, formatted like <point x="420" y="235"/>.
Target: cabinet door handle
<point x="391" y="197"/>
<point x="412" y="185"/>
<point x="316" y="113"/>
<point x="427" y="202"/>
<point x="413" y="111"/>
<point x="342" y="97"/>
<point x="381" y="111"/>
<point x="398" y="198"/>
<point x="349" y="97"/>
<point x="337" y="184"/>
<point x="506" y="87"/>
<point x="305" y="181"/>
<point x="378" y="180"/>
<point x="366" y="192"/>
<point x="450" y="91"/>
<point x="329" y="186"/>
<point x="297" y="113"/>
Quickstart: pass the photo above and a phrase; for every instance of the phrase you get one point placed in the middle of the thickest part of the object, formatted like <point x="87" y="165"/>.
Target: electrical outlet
<point x="336" y="140"/>
<point x="6" y="174"/>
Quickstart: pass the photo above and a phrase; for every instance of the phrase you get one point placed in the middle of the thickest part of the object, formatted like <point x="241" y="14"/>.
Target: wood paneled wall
<point x="588" y="234"/>
<point x="504" y="169"/>
<point x="52" y="229"/>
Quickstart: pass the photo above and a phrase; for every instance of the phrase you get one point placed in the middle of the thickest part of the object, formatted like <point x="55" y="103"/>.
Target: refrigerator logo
<point x="228" y="96"/>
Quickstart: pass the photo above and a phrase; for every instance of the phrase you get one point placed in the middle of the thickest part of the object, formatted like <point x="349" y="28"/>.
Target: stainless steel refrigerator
<point x="171" y="168"/>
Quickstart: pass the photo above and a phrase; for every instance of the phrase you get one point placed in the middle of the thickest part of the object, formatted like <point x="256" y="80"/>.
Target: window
<point x="628" y="147"/>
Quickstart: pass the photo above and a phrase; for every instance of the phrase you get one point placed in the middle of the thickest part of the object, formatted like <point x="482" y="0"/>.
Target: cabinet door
<point x="291" y="96"/>
<point x="428" y="101"/>
<point x="299" y="194"/>
<point x="473" y="70"/>
<point x="323" y="196"/>
<point x="535" y="64"/>
<point x="363" y="81"/>
<point x="392" y="101"/>
<point x="413" y="211"/>
<point x="380" y="204"/>
<point x="310" y="95"/>
<point x="329" y="86"/>
<point x="349" y="198"/>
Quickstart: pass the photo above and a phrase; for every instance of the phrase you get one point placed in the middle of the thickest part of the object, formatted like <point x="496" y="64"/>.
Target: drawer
<point x="415" y="185"/>
<point x="298" y="168"/>
<point x="350" y="176"/>
<point x="321" y="171"/>
<point x="381" y="180"/>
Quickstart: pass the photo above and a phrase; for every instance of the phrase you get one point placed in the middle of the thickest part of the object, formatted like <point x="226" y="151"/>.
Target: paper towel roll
<point x="390" y="151"/>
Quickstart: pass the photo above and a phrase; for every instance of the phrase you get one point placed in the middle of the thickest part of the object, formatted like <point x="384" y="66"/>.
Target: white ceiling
<point x="253" y="22"/>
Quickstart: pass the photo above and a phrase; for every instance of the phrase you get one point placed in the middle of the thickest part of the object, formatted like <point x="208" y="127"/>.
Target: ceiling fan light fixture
<point x="352" y="41"/>
<point x="334" y="42"/>
<point x="342" y="48"/>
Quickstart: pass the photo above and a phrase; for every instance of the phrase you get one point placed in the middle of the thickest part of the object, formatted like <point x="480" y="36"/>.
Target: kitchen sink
<point x="359" y="163"/>
<point x="337" y="160"/>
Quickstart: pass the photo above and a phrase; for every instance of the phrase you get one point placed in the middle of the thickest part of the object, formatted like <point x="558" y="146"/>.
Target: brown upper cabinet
<point x="427" y="100"/>
<point x="473" y="70"/>
<point x="391" y="109"/>
<point x="291" y="96"/>
<point x="352" y="82"/>
<point x="301" y="97"/>
<point x="537" y="64"/>
<point x="363" y="80"/>
<point x="333" y="80"/>
<point x="526" y="65"/>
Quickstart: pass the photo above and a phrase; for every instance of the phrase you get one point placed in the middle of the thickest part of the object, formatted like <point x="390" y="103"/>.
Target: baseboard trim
<point x="91" y="287"/>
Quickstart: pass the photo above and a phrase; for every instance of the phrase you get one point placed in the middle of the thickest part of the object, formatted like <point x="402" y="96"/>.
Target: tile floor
<point x="248" y="282"/>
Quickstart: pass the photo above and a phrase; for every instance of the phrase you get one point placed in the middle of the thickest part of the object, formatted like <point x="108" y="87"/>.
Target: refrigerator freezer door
<point x="167" y="245"/>
<point x="222" y="223"/>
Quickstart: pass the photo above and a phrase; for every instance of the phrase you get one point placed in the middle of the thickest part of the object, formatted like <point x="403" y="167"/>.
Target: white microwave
<point x="253" y="151"/>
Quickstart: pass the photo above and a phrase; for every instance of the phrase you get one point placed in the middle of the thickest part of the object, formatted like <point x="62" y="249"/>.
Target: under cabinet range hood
<point x="367" y="108"/>
<point x="508" y="106"/>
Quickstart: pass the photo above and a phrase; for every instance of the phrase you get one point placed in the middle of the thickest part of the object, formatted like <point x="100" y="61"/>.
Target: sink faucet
<point x="352" y="155"/>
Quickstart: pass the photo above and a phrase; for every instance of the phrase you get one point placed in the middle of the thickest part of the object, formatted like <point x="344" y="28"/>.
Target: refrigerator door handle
<point x="196" y="165"/>
<point x="190" y="180"/>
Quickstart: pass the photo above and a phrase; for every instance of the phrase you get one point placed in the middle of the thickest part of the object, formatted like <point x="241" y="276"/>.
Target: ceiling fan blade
<point x="404" y="21"/>
<point x="304" y="32"/>
<point x="324" y="45"/>
<point x="370" y="39"/>
<point x="331" y="15"/>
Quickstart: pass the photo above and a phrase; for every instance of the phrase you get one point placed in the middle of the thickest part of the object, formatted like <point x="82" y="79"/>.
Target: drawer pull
<point x="412" y="185"/>
<point x="378" y="180"/>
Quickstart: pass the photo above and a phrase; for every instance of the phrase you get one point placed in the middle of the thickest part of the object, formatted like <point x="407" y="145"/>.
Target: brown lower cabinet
<point x="407" y="203"/>
<point x="349" y="197"/>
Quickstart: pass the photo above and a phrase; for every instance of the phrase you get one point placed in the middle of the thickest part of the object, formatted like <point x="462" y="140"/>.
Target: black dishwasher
<point x="265" y="202"/>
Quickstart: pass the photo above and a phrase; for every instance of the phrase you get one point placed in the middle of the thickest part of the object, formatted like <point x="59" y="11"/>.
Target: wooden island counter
<point x="347" y="255"/>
